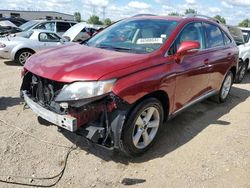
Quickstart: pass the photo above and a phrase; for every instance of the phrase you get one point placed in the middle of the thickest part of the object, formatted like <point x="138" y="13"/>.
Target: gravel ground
<point x="205" y="146"/>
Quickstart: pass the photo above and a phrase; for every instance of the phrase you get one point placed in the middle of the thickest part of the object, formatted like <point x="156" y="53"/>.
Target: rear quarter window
<point x="214" y="36"/>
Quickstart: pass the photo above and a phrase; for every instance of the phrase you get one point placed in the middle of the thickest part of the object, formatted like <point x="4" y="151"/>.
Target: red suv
<point x="118" y="88"/>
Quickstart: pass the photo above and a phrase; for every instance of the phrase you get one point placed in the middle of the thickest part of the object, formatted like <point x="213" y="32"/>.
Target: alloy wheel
<point x="24" y="56"/>
<point x="226" y="86"/>
<point x="146" y="127"/>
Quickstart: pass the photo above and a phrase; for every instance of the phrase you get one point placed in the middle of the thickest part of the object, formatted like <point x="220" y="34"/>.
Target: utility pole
<point x="103" y="12"/>
<point x="93" y="9"/>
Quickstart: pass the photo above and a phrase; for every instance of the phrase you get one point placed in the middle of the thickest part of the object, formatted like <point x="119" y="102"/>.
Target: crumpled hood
<point x="78" y="62"/>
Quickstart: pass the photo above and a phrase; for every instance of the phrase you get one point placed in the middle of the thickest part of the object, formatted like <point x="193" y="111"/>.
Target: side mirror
<point x="187" y="48"/>
<point x="62" y="41"/>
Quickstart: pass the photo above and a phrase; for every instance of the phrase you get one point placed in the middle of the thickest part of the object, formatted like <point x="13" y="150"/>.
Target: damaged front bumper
<point x="63" y="121"/>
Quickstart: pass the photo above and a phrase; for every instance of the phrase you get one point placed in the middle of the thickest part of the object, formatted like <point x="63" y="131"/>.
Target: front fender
<point x="133" y="87"/>
<point x="17" y="48"/>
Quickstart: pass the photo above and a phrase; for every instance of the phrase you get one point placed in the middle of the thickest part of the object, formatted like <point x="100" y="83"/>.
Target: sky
<point x="233" y="11"/>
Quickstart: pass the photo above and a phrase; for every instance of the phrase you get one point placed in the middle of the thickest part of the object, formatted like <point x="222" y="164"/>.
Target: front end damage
<point x="99" y="119"/>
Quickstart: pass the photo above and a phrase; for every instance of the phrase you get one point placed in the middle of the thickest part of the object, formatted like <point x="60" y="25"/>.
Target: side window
<point x="48" y="37"/>
<point x="62" y="26"/>
<point x="214" y="36"/>
<point x="227" y="40"/>
<point x="191" y="32"/>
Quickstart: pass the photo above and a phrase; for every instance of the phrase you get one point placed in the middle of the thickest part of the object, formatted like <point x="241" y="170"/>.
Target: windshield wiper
<point x="115" y="48"/>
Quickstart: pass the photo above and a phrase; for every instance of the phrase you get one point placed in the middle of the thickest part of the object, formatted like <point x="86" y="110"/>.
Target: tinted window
<point x="62" y="26"/>
<point x="191" y="32"/>
<point x="214" y="36"/>
<point x="48" y="37"/>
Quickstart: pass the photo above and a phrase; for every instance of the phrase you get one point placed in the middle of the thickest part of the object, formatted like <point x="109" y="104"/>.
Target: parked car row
<point x="119" y="87"/>
<point x="40" y="35"/>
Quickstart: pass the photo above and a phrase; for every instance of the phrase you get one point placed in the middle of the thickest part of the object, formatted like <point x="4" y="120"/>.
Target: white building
<point x="34" y="15"/>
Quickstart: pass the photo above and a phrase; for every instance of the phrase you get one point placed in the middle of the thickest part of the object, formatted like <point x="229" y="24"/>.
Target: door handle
<point x="206" y="61"/>
<point x="229" y="55"/>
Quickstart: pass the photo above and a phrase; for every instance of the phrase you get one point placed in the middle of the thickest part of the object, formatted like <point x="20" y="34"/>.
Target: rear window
<point x="62" y="26"/>
<point x="214" y="36"/>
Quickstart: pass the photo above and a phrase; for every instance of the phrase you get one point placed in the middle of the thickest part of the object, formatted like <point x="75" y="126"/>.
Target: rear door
<point x="220" y="54"/>
<point x="191" y="75"/>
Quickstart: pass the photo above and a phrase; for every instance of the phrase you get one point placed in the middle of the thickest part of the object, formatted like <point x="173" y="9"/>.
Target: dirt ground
<point x="205" y="146"/>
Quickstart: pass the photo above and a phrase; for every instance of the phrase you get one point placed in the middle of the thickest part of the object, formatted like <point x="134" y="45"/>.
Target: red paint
<point x="141" y="74"/>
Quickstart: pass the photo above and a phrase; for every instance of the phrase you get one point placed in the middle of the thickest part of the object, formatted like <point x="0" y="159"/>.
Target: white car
<point x="245" y="48"/>
<point x="57" y="26"/>
<point x="21" y="48"/>
<point x="81" y="32"/>
<point x="241" y="37"/>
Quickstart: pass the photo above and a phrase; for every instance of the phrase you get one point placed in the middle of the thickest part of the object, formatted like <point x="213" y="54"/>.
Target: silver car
<point x="57" y="26"/>
<point x="21" y="48"/>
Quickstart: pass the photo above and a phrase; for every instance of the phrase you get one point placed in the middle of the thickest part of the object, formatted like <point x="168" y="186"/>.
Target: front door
<point x="191" y="75"/>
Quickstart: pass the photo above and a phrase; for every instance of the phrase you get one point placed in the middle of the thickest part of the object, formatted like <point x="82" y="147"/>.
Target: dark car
<point x="16" y="21"/>
<point x="119" y="87"/>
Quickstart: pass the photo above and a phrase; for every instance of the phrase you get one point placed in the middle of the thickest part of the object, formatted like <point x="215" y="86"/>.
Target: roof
<point x="179" y="18"/>
<point x="36" y="11"/>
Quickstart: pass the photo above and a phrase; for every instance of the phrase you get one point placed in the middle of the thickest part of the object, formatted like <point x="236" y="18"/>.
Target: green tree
<point x="174" y="14"/>
<point x="77" y="16"/>
<point x="190" y="11"/>
<point x="220" y="18"/>
<point x="245" y="23"/>
<point x="107" y="22"/>
<point x="94" y="20"/>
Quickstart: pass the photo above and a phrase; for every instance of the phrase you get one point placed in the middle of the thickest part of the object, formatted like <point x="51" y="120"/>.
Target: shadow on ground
<point x="6" y="102"/>
<point x="177" y="132"/>
<point x="246" y="79"/>
<point x="12" y="63"/>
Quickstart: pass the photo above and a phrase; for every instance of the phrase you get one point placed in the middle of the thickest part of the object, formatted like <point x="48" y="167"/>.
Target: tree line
<point x="93" y="19"/>
<point x="96" y="20"/>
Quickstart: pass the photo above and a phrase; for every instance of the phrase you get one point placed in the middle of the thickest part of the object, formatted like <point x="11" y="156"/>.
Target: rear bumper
<point x="63" y="121"/>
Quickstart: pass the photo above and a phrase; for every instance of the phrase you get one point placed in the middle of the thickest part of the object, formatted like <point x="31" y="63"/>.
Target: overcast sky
<point x="233" y="10"/>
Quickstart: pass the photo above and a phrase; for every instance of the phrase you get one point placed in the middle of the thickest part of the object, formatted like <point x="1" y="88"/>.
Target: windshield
<point x="26" y="26"/>
<point x="134" y="36"/>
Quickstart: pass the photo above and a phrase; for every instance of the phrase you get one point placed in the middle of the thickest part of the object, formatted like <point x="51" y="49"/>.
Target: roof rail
<point x="137" y="15"/>
<point x="202" y="16"/>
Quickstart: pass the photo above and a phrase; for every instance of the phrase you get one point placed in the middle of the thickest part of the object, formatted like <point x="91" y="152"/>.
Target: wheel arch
<point x="162" y="96"/>
<point x="234" y="71"/>
<point x="23" y="49"/>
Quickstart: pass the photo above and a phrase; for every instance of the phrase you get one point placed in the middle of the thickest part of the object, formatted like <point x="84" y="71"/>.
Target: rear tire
<point x="242" y="72"/>
<point x="23" y="55"/>
<point x="142" y="127"/>
<point x="225" y="89"/>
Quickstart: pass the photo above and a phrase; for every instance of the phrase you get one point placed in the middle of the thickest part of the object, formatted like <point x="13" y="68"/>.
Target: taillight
<point x="2" y="45"/>
<point x="23" y="72"/>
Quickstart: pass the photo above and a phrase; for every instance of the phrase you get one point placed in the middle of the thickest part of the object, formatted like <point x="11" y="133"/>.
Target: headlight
<point x="85" y="90"/>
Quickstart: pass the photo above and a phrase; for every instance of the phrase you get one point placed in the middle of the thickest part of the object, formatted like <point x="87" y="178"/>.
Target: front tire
<point x="23" y="55"/>
<point x="142" y="127"/>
